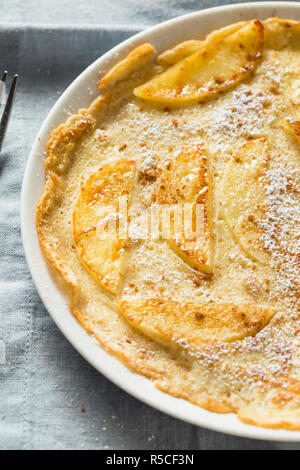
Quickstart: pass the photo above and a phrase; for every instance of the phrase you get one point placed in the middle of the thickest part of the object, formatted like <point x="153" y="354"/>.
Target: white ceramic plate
<point x="78" y="95"/>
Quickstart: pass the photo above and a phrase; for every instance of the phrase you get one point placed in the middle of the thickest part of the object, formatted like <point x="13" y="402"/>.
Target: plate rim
<point x="76" y="335"/>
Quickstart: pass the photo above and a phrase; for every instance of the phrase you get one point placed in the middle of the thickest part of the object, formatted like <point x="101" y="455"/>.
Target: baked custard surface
<point x="216" y="324"/>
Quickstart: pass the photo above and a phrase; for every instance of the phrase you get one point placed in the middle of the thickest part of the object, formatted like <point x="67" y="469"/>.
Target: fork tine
<point x="7" y="109"/>
<point x="2" y="87"/>
<point x="4" y="76"/>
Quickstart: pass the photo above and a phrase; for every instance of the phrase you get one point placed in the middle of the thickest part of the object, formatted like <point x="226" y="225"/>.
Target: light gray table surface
<point x="45" y="385"/>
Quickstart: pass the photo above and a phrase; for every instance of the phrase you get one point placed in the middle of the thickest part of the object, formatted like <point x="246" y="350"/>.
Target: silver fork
<point x="8" y="103"/>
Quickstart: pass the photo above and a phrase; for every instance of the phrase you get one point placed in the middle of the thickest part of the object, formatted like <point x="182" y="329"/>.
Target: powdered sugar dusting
<point x="245" y="115"/>
<point x="281" y="228"/>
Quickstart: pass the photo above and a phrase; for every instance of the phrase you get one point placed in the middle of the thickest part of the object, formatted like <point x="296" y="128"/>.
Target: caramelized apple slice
<point x="184" y="185"/>
<point x="194" y="324"/>
<point x="217" y="67"/>
<point x="100" y="244"/>
<point x="244" y="193"/>
<point x="140" y="57"/>
<point x="292" y="127"/>
<point x="179" y="52"/>
<point x="281" y="33"/>
<point x="187" y="48"/>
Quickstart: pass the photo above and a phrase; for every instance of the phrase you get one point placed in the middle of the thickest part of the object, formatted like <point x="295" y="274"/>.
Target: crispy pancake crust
<point x="257" y="377"/>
